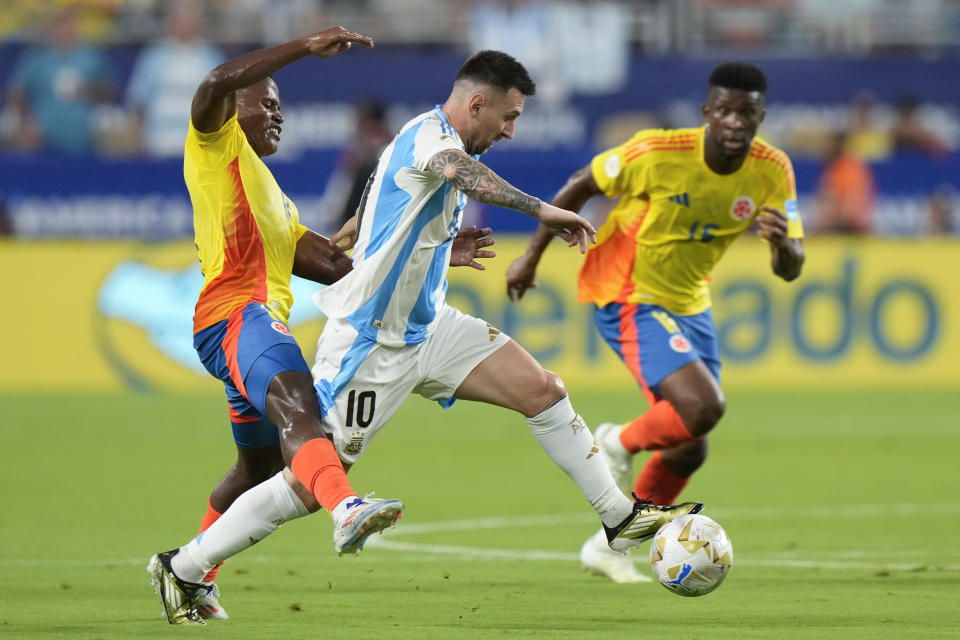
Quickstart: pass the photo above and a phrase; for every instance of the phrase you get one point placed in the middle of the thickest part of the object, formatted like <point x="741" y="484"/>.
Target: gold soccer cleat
<point x="645" y="520"/>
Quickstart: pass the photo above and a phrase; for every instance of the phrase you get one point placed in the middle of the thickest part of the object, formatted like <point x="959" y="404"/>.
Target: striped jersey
<point x="408" y="219"/>
<point x="245" y="229"/>
<point x="675" y="217"/>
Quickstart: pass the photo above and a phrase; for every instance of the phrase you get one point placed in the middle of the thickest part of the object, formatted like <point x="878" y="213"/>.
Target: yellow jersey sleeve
<point x="778" y="169"/>
<point x="616" y="175"/>
<point x="216" y="149"/>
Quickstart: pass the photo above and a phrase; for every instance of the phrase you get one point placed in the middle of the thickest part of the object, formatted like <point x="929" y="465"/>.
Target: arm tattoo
<point x="479" y="182"/>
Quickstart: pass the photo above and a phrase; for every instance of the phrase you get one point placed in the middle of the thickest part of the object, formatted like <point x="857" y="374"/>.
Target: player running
<point x="684" y="196"/>
<point x="390" y="332"/>
<point x="250" y="240"/>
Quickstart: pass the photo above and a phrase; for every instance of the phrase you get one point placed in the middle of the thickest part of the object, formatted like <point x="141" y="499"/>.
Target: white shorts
<point x="361" y="384"/>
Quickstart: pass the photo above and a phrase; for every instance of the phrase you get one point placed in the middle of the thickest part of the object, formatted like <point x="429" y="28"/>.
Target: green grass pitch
<point x="843" y="509"/>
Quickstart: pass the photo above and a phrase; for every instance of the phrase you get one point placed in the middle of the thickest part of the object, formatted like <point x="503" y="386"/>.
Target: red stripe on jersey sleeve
<point x="762" y="151"/>
<point x="647" y="149"/>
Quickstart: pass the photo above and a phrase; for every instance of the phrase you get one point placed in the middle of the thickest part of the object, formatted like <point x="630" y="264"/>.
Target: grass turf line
<point x="94" y="484"/>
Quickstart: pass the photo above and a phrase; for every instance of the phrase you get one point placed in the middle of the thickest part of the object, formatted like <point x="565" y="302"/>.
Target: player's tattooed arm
<point x="479" y="182"/>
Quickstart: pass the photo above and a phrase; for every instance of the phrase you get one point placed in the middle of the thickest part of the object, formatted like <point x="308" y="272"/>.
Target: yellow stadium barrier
<point x="866" y="313"/>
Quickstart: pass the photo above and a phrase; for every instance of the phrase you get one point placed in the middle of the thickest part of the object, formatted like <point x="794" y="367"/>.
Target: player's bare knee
<point x="543" y="393"/>
<point x="714" y="409"/>
<point x="700" y="415"/>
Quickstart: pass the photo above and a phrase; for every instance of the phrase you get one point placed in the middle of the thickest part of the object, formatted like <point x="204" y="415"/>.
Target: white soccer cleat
<point x="598" y="558"/>
<point x="366" y="517"/>
<point x="619" y="460"/>
<point x="208" y="602"/>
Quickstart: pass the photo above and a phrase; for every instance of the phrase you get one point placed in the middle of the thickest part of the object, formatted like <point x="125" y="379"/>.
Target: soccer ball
<point x="691" y="555"/>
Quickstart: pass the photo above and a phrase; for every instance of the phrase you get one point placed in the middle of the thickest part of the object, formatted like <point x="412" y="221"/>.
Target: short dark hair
<point x="497" y="69"/>
<point x="739" y="75"/>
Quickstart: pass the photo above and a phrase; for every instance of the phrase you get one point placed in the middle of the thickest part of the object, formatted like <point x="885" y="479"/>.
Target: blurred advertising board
<point x="866" y="313"/>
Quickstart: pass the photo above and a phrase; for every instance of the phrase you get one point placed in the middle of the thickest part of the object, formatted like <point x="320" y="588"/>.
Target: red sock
<point x="318" y="468"/>
<point x="658" y="483"/>
<point x="208" y="519"/>
<point x="659" y="428"/>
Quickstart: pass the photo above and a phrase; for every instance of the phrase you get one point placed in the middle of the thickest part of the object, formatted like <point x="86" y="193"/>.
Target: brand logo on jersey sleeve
<point x="279" y="327"/>
<point x="612" y="166"/>
<point x="679" y="343"/>
<point x="790" y="208"/>
<point x="742" y="208"/>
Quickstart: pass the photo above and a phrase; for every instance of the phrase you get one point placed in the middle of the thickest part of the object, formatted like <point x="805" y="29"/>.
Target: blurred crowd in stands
<point x="846" y="189"/>
<point x="63" y="95"/>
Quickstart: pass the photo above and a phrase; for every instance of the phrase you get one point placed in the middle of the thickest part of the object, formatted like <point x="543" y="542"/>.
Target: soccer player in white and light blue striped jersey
<point x="390" y="331"/>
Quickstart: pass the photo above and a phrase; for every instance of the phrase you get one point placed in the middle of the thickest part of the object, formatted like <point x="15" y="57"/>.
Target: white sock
<point x="253" y="516"/>
<point x="565" y="437"/>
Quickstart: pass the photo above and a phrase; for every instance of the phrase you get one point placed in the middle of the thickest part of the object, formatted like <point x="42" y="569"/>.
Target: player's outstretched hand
<point x="332" y="41"/>
<point x="772" y="226"/>
<point x="573" y="229"/>
<point x="520" y="276"/>
<point x="347" y="236"/>
<point x="468" y="247"/>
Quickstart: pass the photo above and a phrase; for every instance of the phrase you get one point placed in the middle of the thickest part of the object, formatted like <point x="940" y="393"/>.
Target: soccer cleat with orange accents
<point x="363" y="519"/>
<point x="208" y="602"/>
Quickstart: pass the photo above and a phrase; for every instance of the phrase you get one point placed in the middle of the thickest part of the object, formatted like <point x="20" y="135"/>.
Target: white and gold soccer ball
<point x="691" y="555"/>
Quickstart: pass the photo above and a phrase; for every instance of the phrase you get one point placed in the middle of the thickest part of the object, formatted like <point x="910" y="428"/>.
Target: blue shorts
<point x="247" y="351"/>
<point x="654" y="342"/>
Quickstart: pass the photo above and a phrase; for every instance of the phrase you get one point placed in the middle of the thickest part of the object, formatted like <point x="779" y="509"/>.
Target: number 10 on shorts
<point x="362" y="405"/>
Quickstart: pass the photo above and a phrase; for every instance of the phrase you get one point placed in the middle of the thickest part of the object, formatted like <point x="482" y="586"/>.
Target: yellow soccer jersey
<point x="246" y="230"/>
<point x="676" y="217"/>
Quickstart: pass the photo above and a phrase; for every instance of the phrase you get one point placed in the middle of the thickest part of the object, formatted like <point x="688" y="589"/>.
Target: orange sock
<point x="658" y="483"/>
<point x="659" y="428"/>
<point x="318" y="468"/>
<point x="208" y="519"/>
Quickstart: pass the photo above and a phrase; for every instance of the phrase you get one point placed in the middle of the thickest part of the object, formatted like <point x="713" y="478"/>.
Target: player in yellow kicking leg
<point x="684" y="196"/>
